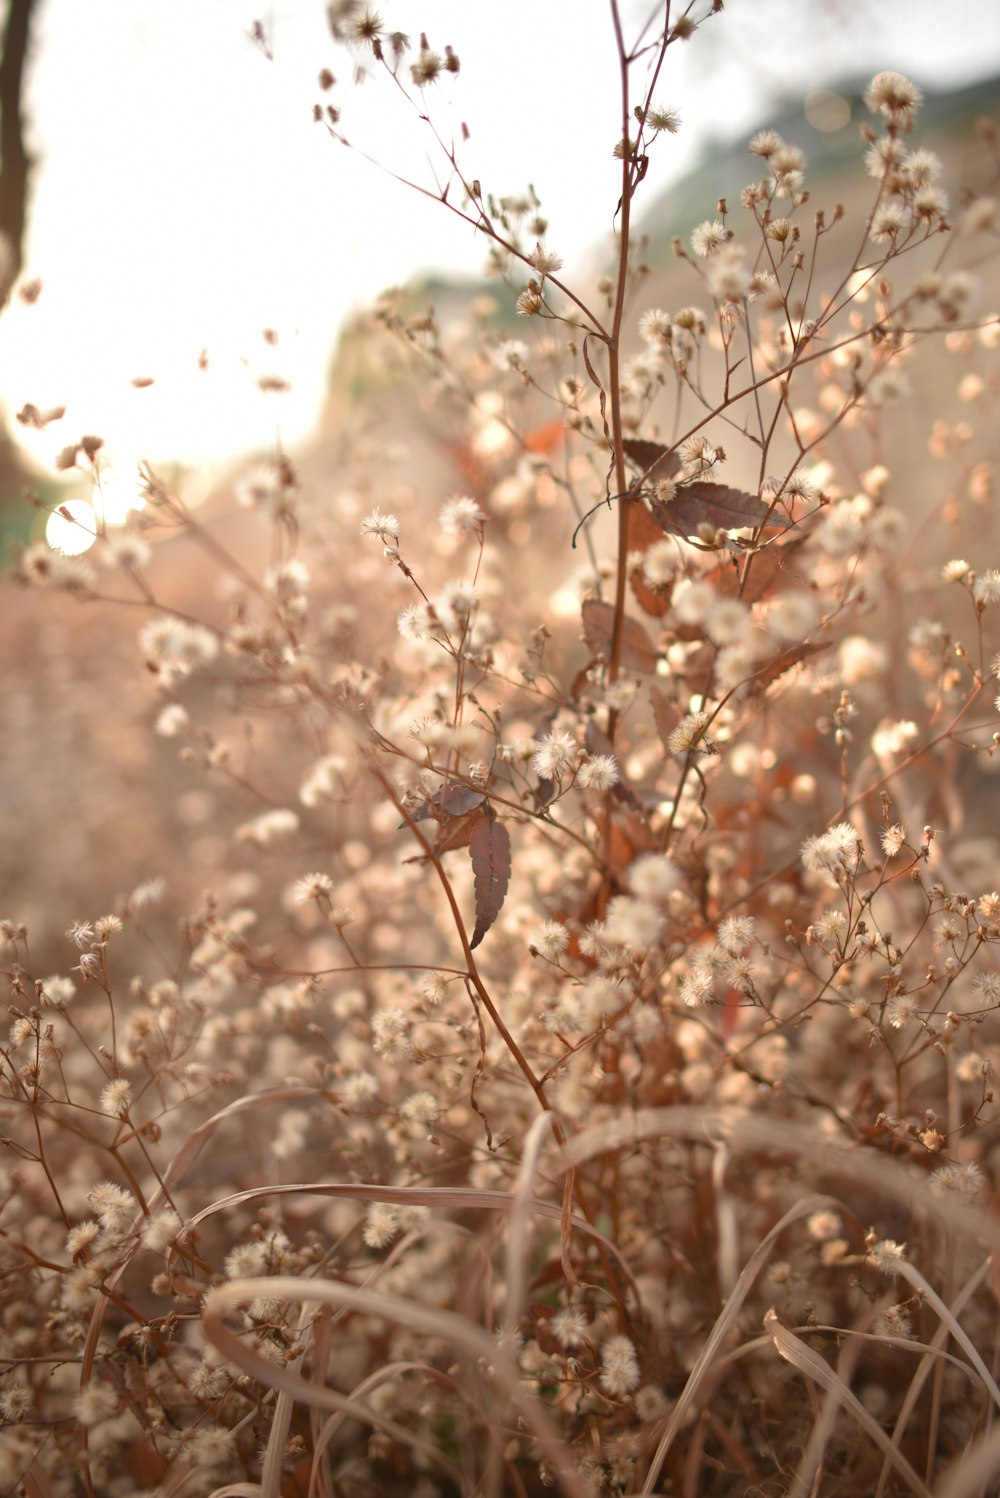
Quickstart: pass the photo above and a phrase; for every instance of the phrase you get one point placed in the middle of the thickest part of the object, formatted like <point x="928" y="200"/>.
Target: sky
<point x="184" y="200"/>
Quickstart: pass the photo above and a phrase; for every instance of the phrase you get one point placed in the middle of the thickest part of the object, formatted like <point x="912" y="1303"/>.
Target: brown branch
<point x="15" y="164"/>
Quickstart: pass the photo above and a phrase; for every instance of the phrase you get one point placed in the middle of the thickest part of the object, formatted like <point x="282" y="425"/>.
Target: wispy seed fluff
<point x="619" y="1367"/>
<point x="832" y="854"/>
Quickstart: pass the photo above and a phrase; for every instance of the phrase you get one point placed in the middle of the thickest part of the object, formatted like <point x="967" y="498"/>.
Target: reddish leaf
<point x="781" y="663"/>
<point x="654" y="461"/>
<point x="665" y="715"/>
<point x="715" y="505"/>
<point x="489" y="849"/>
<point x="652" y="601"/>
<point x="765" y="574"/>
<point x="638" y="650"/>
<point x="643" y="530"/>
<point x="450" y="801"/>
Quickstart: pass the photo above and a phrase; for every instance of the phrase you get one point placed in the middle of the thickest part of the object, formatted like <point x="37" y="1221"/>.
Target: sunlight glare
<point x="118" y="492"/>
<point x="72" y="529"/>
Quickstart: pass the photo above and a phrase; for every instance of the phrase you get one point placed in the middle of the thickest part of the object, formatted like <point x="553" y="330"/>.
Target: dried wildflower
<point x="893" y="739"/>
<point x="889" y="222"/>
<point x="886" y="1254"/>
<point x="728" y="620"/>
<point x="269" y="828"/>
<point x="658" y="120"/>
<point x="986" y="988"/>
<point x="246" y="1261"/>
<point x="694" y="602"/>
<point x="690" y="734"/>
<point x="631" y="923"/>
<point x="147" y="894"/>
<point x="708" y="237"/>
<point x="765" y="143"/>
<point x="460" y="515"/>
<point x="893" y="839"/>
<point x="530" y="301"/>
<point x="900" y="1010"/>
<point x="696" y="986"/>
<point x="980" y="215"/>
<point x="736" y="933"/>
<point x="381" y="1224"/>
<point x="893" y="95"/>
<point x="359" y="1089"/>
<point x="555" y="757"/>
<point x="728" y="274"/>
<point x="289" y="582"/>
<point x="212" y="1446"/>
<point x="129" y="550"/>
<point x="660" y="562"/>
<point x="599" y="773"/>
<point x="15" y="1402"/>
<point x="427" y="68"/>
<point x="385" y="527"/>
<point x="421" y="1109"/>
<point x="653" y="876"/>
<point x="619" y="1367"/>
<point x="391" y="1035"/>
<point x="570" y="1326"/>
<point x="175" y="643"/>
<point x="544" y="261"/>
<point x="116" y="1098"/>
<point x="114" y="1207"/>
<point x="986" y="588"/>
<point x="793" y="616"/>
<point x="893" y="1322"/>
<point x="81" y="934"/>
<point x="95" y="1403"/>
<point x="964" y="1181"/>
<point x="822" y="1225"/>
<point x="834" y="854"/>
<point x="415" y="622"/>
<point x="312" y="887"/>
<point x="512" y="354"/>
<point x="56" y="991"/>
<point x="654" y="327"/>
<point x="160" y="1231"/>
<point x="325" y="781"/>
<point x="172" y="721"/>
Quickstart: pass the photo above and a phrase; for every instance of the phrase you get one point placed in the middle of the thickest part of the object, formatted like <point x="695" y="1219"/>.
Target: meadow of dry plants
<point x="538" y="1031"/>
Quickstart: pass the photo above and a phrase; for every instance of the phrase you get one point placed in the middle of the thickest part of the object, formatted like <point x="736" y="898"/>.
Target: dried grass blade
<point x="811" y="1365"/>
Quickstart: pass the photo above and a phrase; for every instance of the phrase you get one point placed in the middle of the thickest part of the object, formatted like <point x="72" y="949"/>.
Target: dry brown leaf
<point x="714" y="505"/>
<point x="781" y="663"/>
<point x="766" y="573"/>
<point x="654" y="461"/>
<point x="638" y="650"/>
<point x="489" y="849"/>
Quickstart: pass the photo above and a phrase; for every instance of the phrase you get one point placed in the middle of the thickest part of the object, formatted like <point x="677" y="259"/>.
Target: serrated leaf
<point x="642" y="532"/>
<point x="665" y="715"/>
<point x="652" y="601"/>
<point x="489" y="849"/>
<point x="642" y="528"/>
<point x="715" y="505"/>
<point x="766" y="573"/>
<point x="653" y="460"/>
<point x="638" y="650"/>
<point x="450" y="801"/>
<point x="781" y="663"/>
